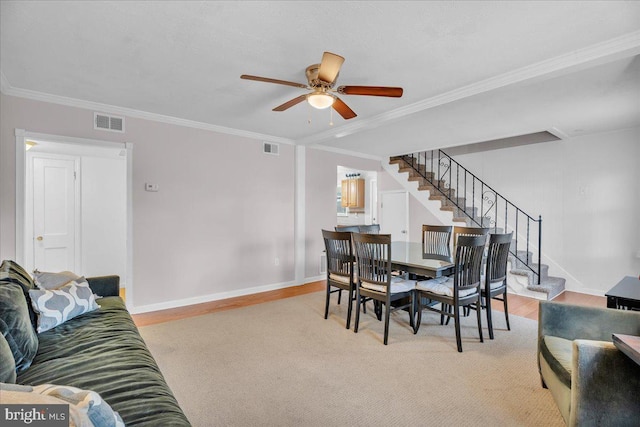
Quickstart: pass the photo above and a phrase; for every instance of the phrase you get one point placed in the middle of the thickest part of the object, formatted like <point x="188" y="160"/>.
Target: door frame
<point x="373" y="200"/>
<point x="29" y="245"/>
<point x="22" y="136"/>
<point x="381" y="208"/>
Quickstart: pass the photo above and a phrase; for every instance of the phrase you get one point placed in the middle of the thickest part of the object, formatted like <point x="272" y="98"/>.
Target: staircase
<point x="473" y="203"/>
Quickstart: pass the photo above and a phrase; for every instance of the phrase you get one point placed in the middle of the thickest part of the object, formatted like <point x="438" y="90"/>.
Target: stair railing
<point x="453" y="181"/>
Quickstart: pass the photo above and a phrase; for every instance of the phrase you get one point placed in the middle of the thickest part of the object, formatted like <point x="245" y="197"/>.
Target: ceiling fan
<point x="321" y="79"/>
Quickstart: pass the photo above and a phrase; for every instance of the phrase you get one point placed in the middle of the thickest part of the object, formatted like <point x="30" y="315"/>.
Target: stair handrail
<point x="437" y="181"/>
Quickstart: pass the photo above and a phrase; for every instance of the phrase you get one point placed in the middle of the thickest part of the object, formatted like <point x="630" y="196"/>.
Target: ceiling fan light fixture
<point x="320" y="100"/>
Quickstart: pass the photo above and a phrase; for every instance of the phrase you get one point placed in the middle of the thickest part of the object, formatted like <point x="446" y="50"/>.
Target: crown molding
<point x="345" y="152"/>
<point x="7" y="89"/>
<point x="614" y="49"/>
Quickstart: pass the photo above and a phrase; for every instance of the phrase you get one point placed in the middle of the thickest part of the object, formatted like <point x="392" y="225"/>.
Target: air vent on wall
<point x="105" y="122"/>
<point x="271" y="148"/>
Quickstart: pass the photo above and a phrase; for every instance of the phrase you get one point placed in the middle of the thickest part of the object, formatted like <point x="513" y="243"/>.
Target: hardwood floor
<point x="528" y="307"/>
<point x="518" y="305"/>
<point x="151" y="318"/>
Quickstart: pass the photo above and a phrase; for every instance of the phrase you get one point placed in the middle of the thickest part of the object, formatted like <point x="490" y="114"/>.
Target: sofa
<point x="99" y="351"/>
<point x="592" y="382"/>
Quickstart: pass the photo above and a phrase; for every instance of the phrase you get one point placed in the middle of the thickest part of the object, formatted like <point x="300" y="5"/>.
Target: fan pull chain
<point x="309" y="114"/>
<point x="331" y="116"/>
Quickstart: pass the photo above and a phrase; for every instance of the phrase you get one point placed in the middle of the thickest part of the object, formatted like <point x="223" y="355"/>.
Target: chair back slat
<point x="468" y="261"/>
<point x="373" y="257"/>
<point x="468" y="231"/>
<point x="339" y="252"/>
<point x="436" y="239"/>
<point x="497" y="256"/>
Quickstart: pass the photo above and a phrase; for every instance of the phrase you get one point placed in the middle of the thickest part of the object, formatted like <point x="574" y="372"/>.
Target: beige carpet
<point x="281" y="364"/>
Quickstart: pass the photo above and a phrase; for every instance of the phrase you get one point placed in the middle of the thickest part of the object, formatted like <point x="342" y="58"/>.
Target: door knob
<point x="39" y="238"/>
<point x="404" y="231"/>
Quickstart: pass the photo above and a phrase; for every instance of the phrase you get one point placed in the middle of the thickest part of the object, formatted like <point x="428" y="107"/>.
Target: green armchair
<point x="591" y="381"/>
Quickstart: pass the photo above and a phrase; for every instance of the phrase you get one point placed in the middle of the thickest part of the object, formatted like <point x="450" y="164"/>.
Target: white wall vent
<point x="271" y="148"/>
<point x="106" y="122"/>
<point x="323" y="264"/>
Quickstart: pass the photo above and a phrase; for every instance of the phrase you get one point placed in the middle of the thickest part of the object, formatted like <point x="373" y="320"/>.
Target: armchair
<point x="591" y="381"/>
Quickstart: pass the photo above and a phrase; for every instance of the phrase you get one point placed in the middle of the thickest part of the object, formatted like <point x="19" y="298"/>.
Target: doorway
<point x="73" y="206"/>
<point x="367" y="211"/>
<point x="394" y="215"/>
<point x="52" y="213"/>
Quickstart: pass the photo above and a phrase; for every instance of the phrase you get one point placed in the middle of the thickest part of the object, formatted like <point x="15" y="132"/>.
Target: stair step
<point x="428" y="175"/>
<point x="421" y="181"/>
<point x="552" y="286"/>
<point x="432" y="187"/>
<point x="519" y="267"/>
<point x="479" y="222"/>
<point x="452" y="202"/>
<point x="472" y="212"/>
<point x="416" y="175"/>
<point x="405" y="168"/>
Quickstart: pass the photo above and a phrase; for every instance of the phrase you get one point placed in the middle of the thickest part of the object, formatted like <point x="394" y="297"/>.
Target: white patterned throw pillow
<point x="86" y="407"/>
<point x="87" y="401"/>
<point x="56" y="306"/>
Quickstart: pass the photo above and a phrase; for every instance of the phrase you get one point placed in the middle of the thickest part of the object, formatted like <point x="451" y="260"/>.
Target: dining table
<point x="410" y="257"/>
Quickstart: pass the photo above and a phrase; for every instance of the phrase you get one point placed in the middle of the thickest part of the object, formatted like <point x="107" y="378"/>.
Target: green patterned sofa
<point x="101" y="351"/>
<point x="592" y="382"/>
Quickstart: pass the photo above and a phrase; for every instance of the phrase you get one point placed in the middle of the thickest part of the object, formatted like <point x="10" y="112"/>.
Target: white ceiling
<point x="471" y="71"/>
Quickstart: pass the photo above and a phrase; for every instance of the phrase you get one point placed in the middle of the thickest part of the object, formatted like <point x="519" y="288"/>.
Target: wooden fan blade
<point x="330" y="67"/>
<point x="290" y="103"/>
<point x="343" y="109"/>
<point x="394" y="92"/>
<point x="267" y="80"/>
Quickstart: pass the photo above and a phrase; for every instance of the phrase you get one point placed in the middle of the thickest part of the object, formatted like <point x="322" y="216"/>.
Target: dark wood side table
<point x="629" y="345"/>
<point x="626" y="294"/>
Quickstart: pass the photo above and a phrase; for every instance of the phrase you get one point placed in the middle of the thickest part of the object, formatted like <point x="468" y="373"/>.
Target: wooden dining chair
<point x="375" y="281"/>
<point x="495" y="277"/>
<point x="458" y="291"/>
<point x="348" y="228"/>
<point x="436" y="239"/>
<point x="340" y="268"/>
<point x="468" y="231"/>
<point x="369" y="229"/>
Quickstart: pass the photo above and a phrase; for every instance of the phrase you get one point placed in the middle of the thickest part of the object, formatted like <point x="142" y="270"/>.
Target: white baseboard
<point x="210" y="297"/>
<point x="315" y="278"/>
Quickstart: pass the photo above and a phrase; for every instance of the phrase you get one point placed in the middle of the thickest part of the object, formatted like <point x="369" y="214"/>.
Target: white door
<point x="55" y="214"/>
<point x="394" y="215"/>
